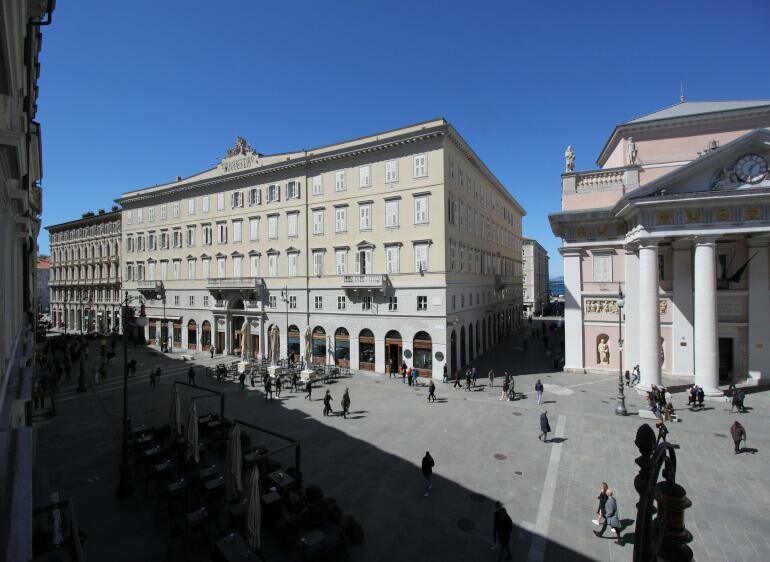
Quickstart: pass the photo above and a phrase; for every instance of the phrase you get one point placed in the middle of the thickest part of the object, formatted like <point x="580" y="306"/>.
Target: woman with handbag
<point x="602" y="502"/>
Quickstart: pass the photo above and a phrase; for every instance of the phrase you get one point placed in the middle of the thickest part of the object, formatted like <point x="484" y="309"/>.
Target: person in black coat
<point x="662" y="430"/>
<point x="268" y="389"/>
<point x="345" y="403"/>
<point x="309" y="390"/>
<point x="432" y="391"/>
<point x="545" y="427"/>
<point x="427" y="471"/>
<point x="328" y="403"/>
<point x="503" y="527"/>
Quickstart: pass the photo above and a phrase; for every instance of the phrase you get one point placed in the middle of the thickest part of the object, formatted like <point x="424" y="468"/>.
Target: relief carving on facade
<point x="664" y="217"/>
<point x="581" y="232"/>
<point x="693" y="215"/>
<point x="610" y="306"/>
<point x="722" y="214"/>
<point x="752" y="213"/>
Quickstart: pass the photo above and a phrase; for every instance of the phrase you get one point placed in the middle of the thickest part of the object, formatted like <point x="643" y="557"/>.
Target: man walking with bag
<point x="738" y="433"/>
<point x="545" y="427"/>
<point x="427" y="471"/>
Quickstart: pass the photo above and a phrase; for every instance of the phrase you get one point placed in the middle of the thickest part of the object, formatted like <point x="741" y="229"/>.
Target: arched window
<point x="423" y="354"/>
<point x="342" y="348"/>
<point x="366" y="350"/>
<point x="319" y="345"/>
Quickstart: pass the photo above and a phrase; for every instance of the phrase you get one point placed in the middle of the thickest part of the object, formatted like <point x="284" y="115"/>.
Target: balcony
<point x="233" y="283"/>
<point x="624" y="179"/>
<point x="370" y="281"/>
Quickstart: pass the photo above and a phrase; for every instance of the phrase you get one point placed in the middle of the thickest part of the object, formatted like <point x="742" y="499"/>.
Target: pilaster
<point x="705" y="332"/>
<point x="759" y="310"/>
<point x="573" y="308"/>
<point x="682" y="346"/>
<point x="631" y="321"/>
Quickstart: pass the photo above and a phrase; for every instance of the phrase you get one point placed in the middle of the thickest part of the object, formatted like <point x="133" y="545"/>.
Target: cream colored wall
<point x="618" y="265"/>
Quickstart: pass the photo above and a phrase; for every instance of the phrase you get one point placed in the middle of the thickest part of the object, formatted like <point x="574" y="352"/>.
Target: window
<point x="151" y="271"/>
<point x="365" y="217"/>
<point x="236" y="199"/>
<point x="175" y="209"/>
<point x="191" y="269"/>
<point x="364" y="261"/>
<point x="420" y="258"/>
<point x="205" y="300"/>
<point x="318" y="222"/>
<point x="190" y="236"/>
<point x="237" y="266"/>
<point x="255" y="196"/>
<point x="318" y="263"/>
<point x="128" y="217"/>
<point x="293" y="301"/>
<point x="420" y="165"/>
<point x="341" y="261"/>
<point x="139" y="216"/>
<point x="177" y="237"/>
<point x="293" y="260"/>
<point x="129" y="243"/>
<point x="207" y="239"/>
<point x="273" y="301"/>
<point x="318" y="301"/>
<point x="292" y="189"/>
<point x="391" y="171"/>
<point x="205" y="204"/>
<point x="318" y="186"/>
<point x="393" y="304"/>
<point x="221" y="233"/>
<point x="454" y="302"/>
<point x="220" y="201"/>
<point x="602" y="269"/>
<point x="272" y="265"/>
<point x="392" y="259"/>
<point x="292" y="224"/>
<point x="162" y="212"/>
<point x="341" y="219"/>
<point x="451" y="168"/>
<point x="254" y="228"/>
<point x="341" y="303"/>
<point x="366" y="303"/>
<point x="177" y="269"/>
<point x="221" y="271"/>
<point x="205" y="267"/>
<point x="191" y="300"/>
<point x="421" y="210"/>
<point x="365" y="176"/>
<point x="273" y="193"/>
<point x="272" y="227"/>
<point x="191" y="209"/>
<point x="237" y="231"/>
<point x="422" y="303"/>
<point x="254" y="265"/>
<point x="152" y="241"/>
<point x="176" y="300"/>
<point x="339" y="180"/>
<point x="151" y="214"/>
<point x="391" y="214"/>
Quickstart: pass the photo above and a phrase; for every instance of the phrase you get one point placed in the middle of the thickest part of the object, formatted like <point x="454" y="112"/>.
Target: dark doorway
<point x="393" y="348"/>
<point x="725" y="359"/>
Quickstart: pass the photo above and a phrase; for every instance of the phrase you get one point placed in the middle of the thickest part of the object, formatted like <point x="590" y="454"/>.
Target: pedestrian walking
<point x="738" y="433"/>
<point x="309" y="389"/>
<point x="504" y="393"/>
<point x="491" y="376"/>
<point x="474" y="376"/>
<point x="152" y="378"/>
<point x="662" y="430"/>
<point x="242" y="380"/>
<point x="611" y="518"/>
<point x="468" y="379"/>
<point x="268" y="389"/>
<point x="457" y="381"/>
<point x="132" y="367"/>
<point x="539" y="391"/>
<point x="512" y="389"/>
<point x="427" y="471"/>
<point x="403" y="373"/>
<point x="545" y="427"/>
<point x="409" y="378"/>
<point x="328" y="404"/>
<point x="627" y="376"/>
<point x="432" y="391"/>
<point x="502" y="530"/>
<point x="600" y="511"/>
<point x="211" y="350"/>
<point x="637" y="375"/>
<point x="345" y="403"/>
<point x="191" y="376"/>
<point x="295" y="382"/>
<point x="446" y="379"/>
<point x="278" y="385"/>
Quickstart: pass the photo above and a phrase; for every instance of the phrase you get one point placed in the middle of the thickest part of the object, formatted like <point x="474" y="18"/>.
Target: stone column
<point x="228" y="334"/>
<point x="682" y="346"/>
<point x="759" y="310"/>
<point x="573" y="309"/>
<point x="705" y="333"/>
<point x="354" y="359"/>
<point x="379" y="355"/>
<point x="631" y="321"/>
<point x="649" y="315"/>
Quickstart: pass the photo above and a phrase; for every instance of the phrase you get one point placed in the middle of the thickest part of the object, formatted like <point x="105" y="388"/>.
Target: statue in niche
<point x="632" y="152"/>
<point x="245" y="331"/>
<point x="603" y="349"/>
<point x="308" y="347"/>
<point x="275" y="346"/>
<point x="569" y="157"/>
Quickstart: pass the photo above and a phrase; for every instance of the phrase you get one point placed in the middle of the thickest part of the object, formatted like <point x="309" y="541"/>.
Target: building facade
<point x="535" y="267"/>
<point x="43" y="272"/>
<point x="85" y="275"/>
<point x="395" y="247"/>
<point x="668" y="241"/>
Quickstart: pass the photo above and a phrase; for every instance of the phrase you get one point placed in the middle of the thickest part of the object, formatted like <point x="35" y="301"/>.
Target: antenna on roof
<point x="681" y="91"/>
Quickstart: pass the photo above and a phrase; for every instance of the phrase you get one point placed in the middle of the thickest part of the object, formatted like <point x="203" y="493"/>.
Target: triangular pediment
<point x="740" y="165"/>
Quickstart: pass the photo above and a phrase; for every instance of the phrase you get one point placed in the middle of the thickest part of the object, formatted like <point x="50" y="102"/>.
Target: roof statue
<point x="241" y="148"/>
<point x="632" y="152"/>
<point x="569" y="157"/>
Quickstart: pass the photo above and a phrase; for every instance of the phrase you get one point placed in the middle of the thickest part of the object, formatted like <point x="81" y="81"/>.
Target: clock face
<point x="751" y="168"/>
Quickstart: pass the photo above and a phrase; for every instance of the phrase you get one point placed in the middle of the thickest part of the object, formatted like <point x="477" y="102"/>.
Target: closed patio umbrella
<point x="176" y="413"/>
<point x="254" y="520"/>
<point x="193" y="450"/>
<point x="233" y="463"/>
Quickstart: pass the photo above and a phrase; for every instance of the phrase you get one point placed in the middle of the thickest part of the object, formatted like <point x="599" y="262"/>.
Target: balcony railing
<point x="220" y="283"/>
<point x="626" y="178"/>
<point x="365" y="281"/>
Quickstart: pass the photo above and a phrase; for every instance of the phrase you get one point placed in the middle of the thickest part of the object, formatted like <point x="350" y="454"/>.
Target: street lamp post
<point x="126" y="485"/>
<point x="620" y="409"/>
<point x="285" y="299"/>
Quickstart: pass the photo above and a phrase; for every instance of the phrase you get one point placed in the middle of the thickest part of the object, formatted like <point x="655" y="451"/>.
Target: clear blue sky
<point x="136" y="93"/>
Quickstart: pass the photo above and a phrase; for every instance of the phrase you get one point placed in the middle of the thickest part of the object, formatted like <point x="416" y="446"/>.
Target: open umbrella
<point x="233" y="463"/>
<point x="192" y="433"/>
<point x="254" y="520"/>
<point x="176" y="412"/>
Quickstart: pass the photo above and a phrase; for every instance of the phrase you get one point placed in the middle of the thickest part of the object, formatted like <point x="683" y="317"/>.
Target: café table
<point x="281" y="479"/>
<point x="208" y="472"/>
<point x="195" y="519"/>
<point x="233" y="548"/>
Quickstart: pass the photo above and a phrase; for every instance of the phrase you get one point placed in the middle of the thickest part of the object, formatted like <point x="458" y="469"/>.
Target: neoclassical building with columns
<point x="665" y="247"/>
<point x="399" y="246"/>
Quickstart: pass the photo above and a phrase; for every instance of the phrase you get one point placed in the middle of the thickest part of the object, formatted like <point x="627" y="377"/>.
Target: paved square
<point x="485" y="450"/>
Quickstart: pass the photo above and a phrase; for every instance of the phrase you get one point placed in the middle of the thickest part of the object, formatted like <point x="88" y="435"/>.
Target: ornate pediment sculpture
<point x="241" y="148"/>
